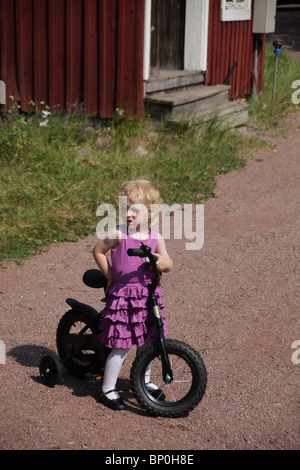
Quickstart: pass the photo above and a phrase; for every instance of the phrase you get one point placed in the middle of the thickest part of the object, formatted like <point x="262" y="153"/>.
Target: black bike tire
<point x="160" y="408"/>
<point x="50" y="370"/>
<point x="67" y="320"/>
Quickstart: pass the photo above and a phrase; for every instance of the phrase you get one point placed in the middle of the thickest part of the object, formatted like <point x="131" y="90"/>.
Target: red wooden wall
<point x="230" y="42"/>
<point x="64" y="52"/>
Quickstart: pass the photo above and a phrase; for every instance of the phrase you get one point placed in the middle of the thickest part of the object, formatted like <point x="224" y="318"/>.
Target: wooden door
<point x="167" y="37"/>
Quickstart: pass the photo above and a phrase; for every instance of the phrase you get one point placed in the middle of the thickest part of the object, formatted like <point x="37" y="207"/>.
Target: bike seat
<point x="94" y="278"/>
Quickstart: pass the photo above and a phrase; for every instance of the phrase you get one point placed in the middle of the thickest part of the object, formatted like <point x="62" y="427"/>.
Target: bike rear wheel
<point x="186" y="389"/>
<point x="78" y="347"/>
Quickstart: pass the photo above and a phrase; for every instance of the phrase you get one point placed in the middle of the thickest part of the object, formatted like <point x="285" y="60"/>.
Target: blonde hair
<point x="146" y="193"/>
<point x="142" y="189"/>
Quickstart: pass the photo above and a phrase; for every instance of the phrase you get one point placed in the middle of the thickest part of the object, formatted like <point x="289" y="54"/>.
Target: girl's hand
<point x="164" y="263"/>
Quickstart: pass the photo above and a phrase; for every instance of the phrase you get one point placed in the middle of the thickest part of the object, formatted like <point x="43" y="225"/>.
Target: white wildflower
<point x="46" y="113"/>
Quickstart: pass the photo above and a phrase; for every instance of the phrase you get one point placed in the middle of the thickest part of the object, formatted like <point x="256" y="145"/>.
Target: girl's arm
<point x="99" y="252"/>
<point x="164" y="262"/>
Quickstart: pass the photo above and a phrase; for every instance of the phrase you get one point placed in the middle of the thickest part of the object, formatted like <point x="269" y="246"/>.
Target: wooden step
<point x="161" y="80"/>
<point x="232" y="114"/>
<point x="182" y="102"/>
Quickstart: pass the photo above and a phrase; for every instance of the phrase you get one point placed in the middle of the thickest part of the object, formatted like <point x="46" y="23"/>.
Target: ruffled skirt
<point x="126" y="321"/>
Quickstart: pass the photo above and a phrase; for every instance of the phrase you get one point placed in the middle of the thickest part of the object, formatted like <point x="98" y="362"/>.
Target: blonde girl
<point x="125" y="316"/>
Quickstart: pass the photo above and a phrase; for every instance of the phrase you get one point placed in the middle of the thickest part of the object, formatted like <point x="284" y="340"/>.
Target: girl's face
<point x="137" y="215"/>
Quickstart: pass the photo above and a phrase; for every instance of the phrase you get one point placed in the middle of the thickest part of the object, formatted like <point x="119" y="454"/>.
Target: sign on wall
<point x="235" y="10"/>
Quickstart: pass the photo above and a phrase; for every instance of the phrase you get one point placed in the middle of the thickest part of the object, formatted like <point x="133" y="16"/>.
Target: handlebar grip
<point x="136" y="252"/>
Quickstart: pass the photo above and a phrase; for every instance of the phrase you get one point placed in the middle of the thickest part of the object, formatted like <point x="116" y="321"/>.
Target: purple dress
<point x="125" y="321"/>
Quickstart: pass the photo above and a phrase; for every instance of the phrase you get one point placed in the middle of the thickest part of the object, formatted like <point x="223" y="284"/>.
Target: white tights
<point x="112" y="370"/>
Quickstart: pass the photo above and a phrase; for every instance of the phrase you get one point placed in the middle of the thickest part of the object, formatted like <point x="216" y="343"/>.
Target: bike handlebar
<point x="145" y="252"/>
<point x="136" y="252"/>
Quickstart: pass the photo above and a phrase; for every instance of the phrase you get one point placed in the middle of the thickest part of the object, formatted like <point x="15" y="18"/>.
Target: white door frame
<point x="196" y="36"/>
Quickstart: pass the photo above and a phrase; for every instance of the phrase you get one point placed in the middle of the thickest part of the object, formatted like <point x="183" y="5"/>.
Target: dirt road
<point x="236" y="301"/>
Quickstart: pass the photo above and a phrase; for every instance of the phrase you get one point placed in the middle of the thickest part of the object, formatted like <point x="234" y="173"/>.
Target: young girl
<point x="125" y="314"/>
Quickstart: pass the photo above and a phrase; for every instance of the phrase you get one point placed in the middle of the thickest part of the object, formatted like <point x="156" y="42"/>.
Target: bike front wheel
<point x="183" y="393"/>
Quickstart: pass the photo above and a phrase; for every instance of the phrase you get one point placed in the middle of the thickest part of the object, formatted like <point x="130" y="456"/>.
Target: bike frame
<point x="145" y="251"/>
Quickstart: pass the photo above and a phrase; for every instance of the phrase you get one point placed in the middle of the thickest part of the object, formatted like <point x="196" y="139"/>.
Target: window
<point x="235" y="10"/>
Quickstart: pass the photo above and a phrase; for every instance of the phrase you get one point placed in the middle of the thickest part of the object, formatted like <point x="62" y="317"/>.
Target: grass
<point x="55" y="171"/>
<point x="54" y="177"/>
<point x="263" y="114"/>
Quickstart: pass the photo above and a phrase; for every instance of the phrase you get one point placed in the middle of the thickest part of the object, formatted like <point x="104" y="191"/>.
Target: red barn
<point x="110" y="54"/>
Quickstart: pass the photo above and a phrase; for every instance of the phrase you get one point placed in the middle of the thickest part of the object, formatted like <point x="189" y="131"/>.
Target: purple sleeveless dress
<point x="125" y="321"/>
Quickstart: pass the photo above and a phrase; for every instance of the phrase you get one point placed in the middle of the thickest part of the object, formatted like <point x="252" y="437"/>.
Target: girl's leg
<point x="150" y="385"/>
<point x="112" y="369"/>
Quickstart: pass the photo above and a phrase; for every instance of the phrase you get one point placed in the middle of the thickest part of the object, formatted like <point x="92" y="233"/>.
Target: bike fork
<point x="166" y="366"/>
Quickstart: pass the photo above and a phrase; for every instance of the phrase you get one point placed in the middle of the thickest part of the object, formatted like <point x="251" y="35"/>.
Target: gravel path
<point x="236" y="301"/>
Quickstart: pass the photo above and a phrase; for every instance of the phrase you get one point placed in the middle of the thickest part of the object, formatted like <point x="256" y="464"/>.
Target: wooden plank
<point x="138" y="97"/>
<point x="107" y="56"/>
<point x="224" y="58"/>
<point x="8" y="59"/>
<point x="190" y="95"/>
<point x="248" y="62"/>
<point x="130" y="88"/>
<point x="91" y="63"/>
<point x="40" y="53"/>
<point x="125" y="57"/>
<point x="168" y="79"/>
<point x="57" y="54"/>
<point x="24" y="35"/>
<point x="3" y="66"/>
<point x="74" y="54"/>
<point x="4" y="16"/>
